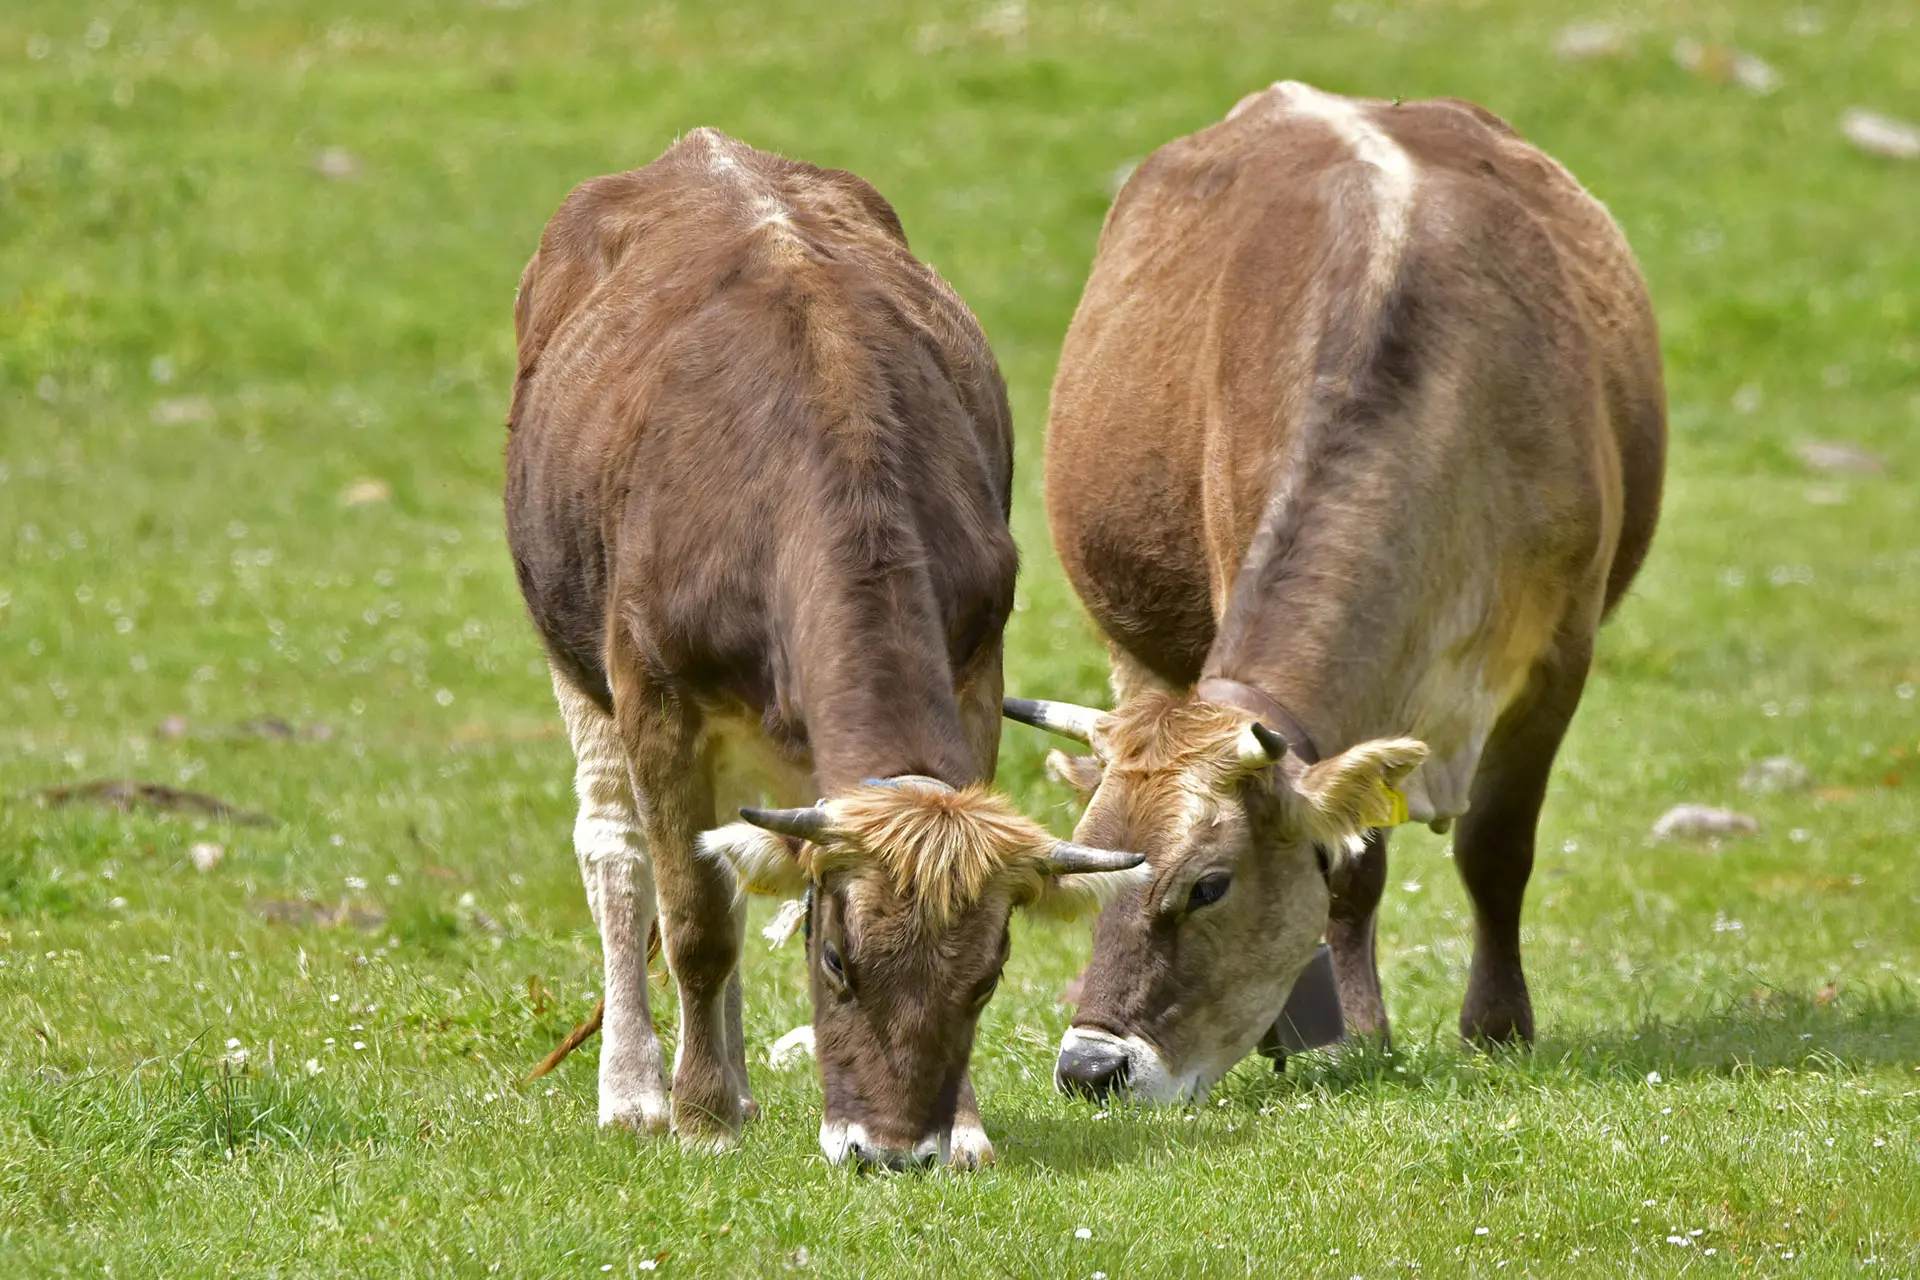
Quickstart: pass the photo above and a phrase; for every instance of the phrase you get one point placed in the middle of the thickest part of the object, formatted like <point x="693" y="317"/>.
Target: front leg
<point x="970" y="1148"/>
<point x="700" y="922"/>
<point x="1351" y="917"/>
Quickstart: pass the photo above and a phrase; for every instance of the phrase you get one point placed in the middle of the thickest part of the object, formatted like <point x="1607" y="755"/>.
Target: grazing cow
<point x="1357" y="436"/>
<point x="758" y="470"/>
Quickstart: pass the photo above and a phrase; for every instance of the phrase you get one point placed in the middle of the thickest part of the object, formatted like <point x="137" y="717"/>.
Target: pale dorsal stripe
<point x="1394" y="176"/>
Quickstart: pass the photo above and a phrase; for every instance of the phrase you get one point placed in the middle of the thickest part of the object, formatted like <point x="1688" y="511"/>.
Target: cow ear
<point x="1079" y="774"/>
<point x="1357" y="790"/>
<point x="766" y="862"/>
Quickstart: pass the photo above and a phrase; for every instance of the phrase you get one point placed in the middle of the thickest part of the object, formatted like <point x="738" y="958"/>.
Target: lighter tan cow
<point x="758" y="472"/>
<point x="1357" y="436"/>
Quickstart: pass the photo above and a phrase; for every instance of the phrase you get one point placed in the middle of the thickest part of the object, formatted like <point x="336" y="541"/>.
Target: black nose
<point x="896" y="1161"/>
<point x="1092" y="1069"/>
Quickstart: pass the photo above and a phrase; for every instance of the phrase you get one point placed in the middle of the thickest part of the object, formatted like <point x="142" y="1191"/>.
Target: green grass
<point x="203" y="341"/>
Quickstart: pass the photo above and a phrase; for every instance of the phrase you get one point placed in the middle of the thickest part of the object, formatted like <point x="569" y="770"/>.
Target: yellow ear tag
<point x="1393" y="804"/>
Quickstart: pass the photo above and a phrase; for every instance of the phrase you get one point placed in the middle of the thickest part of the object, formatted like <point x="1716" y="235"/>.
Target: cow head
<point x="1195" y="956"/>
<point x="911" y="887"/>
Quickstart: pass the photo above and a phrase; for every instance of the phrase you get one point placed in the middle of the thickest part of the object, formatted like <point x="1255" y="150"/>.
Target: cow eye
<point x="985" y="991"/>
<point x="1209" y="889"/>
<point x="836" y="968"/>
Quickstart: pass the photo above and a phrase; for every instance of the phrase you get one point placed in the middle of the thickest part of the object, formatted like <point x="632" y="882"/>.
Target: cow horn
<point x="810" y="823"/>
<point x="1260" y="746"/>
<point x="1063" y="718"/>
<point x="1068" y="858"/>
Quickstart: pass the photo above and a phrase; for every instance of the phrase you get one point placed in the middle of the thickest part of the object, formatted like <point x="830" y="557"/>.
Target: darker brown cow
<point x="1357" y="436"/>
<point x="757" y="482"/>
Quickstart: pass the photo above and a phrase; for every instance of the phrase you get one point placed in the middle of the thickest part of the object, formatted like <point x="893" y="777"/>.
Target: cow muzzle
<point x="1098" y="1064"/>
<point x="850" y="1143"/>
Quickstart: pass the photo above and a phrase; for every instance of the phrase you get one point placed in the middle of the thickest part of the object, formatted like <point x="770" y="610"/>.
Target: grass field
<point x="256" y="270"/>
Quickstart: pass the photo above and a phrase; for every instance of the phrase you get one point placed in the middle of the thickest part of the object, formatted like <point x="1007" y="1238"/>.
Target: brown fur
<point x="759" y="467"/>
<point x="1383" y="442"/>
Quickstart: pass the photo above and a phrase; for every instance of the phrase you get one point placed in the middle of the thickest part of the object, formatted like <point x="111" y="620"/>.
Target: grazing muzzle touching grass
<point x="1193" y="957"/>
<point x="911" y="887"/>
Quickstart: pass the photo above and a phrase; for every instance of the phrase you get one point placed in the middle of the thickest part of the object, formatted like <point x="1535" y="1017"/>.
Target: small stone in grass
<point x="336" y="163"/>
<point x="1726" y="65"/>
<point x="365" y="490"/>
<point x="1881" y="135"/>
<point x="1701" y="822"/>
<point x="1775" y="773"/>
<point x="182" y="410"/>
<point x="1580" y="41"/>
<point x="1837" y="455"/>
<point x="794" y="1047"/>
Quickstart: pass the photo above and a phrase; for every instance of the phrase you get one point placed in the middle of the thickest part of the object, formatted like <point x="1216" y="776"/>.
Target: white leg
<point x="617" y="869"/>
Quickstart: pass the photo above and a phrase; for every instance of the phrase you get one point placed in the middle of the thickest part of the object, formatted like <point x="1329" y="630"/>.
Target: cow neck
<point x="875" y="691"/>
<point x="1263" y="707"/>
<point x="1328" y="618"/>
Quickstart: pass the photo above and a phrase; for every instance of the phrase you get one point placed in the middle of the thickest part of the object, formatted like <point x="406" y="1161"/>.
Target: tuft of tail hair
<point x="588" y="1029"/>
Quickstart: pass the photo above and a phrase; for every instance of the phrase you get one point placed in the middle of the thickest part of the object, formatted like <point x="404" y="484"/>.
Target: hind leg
<point x="617" y="869"/>
<point x="1493" y="844"/>
<point x="1356" y="890"/>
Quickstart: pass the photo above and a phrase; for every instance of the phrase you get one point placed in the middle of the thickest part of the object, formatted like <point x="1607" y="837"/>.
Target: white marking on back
<point x="769" y="211"/>
<point x="1393" y="182"/>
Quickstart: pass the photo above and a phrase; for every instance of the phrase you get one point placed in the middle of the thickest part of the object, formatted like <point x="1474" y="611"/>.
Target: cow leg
<point x="737" y="1037"/>
<point x="1356" y="888"/>
<point x="615" y="866"/>
<point x="971" y="1147"/>
<point x="700" y="921"/>
<point x="1493" y="844"/>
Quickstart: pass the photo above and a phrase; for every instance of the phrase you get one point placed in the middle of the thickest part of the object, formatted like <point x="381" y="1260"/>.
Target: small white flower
<point x="1083" y="1233"/>
<point x="1479" y="1231"/>
<point x="1679" y="1240"/>
<point x="1653" y="1077"/>
<point x="356" y="882"/>
<point x="313" y="1067"/>
<point x="1711" y="1252"/>
<point x="607" y="1267"/>
<point x="648" y="1264"/>
<point x="233" y="1044"/>
<point x="359" y="1044"/>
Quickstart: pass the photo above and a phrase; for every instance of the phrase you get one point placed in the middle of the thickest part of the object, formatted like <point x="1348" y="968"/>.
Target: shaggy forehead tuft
<point x="940" y="849"/>
<point x="1164" y="732"/>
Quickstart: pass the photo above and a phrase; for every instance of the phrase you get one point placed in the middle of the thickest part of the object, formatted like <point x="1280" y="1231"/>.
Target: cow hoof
<point x="709" y="1141"/>
<point x="749" y="1109"/>
<point x="970" y="1148"/>
<point x="647" y="1118"/>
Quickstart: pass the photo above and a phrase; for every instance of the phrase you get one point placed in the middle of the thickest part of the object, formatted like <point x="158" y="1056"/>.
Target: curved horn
<point x="1260" y="746"/>
<point x="811" y="823"/>
<point x="1068" y="858"/>
<point x="1063" y="718"/>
